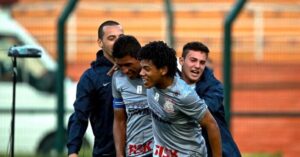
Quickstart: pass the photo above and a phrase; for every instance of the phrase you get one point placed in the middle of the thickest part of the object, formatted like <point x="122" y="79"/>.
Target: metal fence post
<point x="227" y="57"/>
<point x="60" y="136"/>
<point x="170" y="22"/>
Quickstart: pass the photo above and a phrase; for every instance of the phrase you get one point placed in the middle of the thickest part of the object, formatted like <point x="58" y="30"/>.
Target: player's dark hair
<point x="196" y="46"/>
<point x="106" y="23"/>
<point x="161" y="55"/>
<point x="126" y="45"/>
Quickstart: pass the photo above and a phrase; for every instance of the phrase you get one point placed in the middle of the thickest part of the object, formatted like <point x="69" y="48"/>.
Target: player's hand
<point x="73" y="155"/>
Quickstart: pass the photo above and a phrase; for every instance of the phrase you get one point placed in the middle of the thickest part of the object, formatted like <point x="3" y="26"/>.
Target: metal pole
<point x="170" y="22"/>
<point x="13" y="113"/>
<point x="227" y="57"/>
<point x="60" y="136"/>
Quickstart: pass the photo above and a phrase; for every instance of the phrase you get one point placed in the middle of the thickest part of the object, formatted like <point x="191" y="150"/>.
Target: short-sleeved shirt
<point x="176" y="112"/>
<point x="131" y="94"/>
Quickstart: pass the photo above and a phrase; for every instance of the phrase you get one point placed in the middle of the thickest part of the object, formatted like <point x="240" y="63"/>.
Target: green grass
<point x="262" y="155"/>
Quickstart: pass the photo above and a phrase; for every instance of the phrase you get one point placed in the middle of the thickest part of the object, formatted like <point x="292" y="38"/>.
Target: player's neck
<point x="109" y="57"/>
<point x="165" y="82"/>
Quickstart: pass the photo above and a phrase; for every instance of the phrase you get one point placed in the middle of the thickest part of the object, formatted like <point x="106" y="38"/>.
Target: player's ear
<point x="181" y="60"/>
<point x="100" y="43"/>
<point x="163" y="70"/>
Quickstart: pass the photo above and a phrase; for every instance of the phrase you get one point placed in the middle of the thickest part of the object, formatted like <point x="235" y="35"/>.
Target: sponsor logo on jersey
<point x="105" y="84"/>
<point x="161" y="151"/>
<point x="138" y="149"/>
<point x="137" y="105"/>
<point x="144" y="111"/>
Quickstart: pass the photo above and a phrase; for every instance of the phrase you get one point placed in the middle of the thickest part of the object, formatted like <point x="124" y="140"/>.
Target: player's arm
<point x="78" y="121"/>
<point x="214" y="137"/>
<point x="119" y="127"/>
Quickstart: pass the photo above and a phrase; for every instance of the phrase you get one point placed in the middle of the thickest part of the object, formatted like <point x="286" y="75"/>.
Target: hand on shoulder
<point x="73" y="155"/>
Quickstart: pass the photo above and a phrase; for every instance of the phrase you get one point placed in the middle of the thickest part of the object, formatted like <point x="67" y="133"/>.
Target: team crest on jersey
<point x="169" y="106"/>
<point x="139" y="89"/>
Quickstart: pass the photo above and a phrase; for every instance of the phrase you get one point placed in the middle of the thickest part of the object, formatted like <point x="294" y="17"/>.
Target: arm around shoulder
<point x="73" y="155"/>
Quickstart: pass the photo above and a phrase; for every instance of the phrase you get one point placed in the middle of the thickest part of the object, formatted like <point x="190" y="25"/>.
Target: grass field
<point x="262" y="155"/>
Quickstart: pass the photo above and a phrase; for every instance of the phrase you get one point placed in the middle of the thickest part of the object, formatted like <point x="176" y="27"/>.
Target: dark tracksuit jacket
<point x="93" y="102"/>
<point x="211" y="90"/>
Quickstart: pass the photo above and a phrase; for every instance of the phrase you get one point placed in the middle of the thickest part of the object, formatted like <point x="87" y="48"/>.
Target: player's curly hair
<point x="161" y="55"/>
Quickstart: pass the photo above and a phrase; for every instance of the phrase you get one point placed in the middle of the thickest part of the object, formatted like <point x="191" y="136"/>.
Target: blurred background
<point x="265" y="106"/>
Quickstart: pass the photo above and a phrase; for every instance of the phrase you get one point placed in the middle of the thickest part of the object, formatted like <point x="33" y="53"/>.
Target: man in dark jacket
<point x="94" y="98"/>
<point x="202" y="79"/>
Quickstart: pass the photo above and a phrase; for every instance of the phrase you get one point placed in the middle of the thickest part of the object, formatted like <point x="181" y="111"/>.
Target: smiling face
<point x="151" y="75"/>
<point x="193" y="66"/>
<point x="129" y="66"/>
